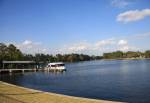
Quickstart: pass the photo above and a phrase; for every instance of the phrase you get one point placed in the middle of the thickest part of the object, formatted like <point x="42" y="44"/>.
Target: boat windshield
<point x="60" y="64"/>
<point x="57" y="65"/>
<point x="53" y="65"/>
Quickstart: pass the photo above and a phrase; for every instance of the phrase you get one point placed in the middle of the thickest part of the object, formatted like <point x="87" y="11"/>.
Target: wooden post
<point x="22" y="70"/>
<point x="10" y="71"/>
<point x="3" y="65"/>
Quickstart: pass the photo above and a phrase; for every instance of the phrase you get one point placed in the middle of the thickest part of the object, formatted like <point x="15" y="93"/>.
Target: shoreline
<point x="128" y="59"/>
<point x="26" y="95"/>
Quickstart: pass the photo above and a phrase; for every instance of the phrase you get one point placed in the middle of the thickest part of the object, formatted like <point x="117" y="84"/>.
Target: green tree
<point x="147" y="54"/>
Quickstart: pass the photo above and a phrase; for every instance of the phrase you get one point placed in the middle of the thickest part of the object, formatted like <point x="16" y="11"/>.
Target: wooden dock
<point x="24" y="66"/>
<point x="29" y="70"/>
<point x="16" y="70"/>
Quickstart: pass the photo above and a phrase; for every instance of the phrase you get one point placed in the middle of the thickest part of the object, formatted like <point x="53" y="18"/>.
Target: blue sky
<point x="75" y="26"/>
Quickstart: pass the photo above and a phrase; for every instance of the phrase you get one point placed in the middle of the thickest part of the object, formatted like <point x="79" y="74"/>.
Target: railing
<point x="11" y="70"/>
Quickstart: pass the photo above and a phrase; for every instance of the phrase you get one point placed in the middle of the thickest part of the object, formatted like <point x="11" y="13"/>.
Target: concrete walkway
<point x="15" y="94"/>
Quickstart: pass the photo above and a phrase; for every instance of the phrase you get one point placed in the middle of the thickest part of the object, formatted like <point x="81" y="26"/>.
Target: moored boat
<point x="57" y="66"/>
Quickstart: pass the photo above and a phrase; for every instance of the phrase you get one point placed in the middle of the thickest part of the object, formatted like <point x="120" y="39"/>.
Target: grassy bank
<point x="15" y="94"/>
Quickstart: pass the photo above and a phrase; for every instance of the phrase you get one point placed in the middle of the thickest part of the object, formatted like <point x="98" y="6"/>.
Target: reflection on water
<point x="122" y="80"/>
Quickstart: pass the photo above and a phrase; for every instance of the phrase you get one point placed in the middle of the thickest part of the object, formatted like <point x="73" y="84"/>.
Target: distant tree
<point x="3" y="49"/>
<point x="113" y="55"/>
<point x="28" y="57"/>
<point x="117" y="54"/>
<point x="52" y="58"/>
<point x="81" y="57"/>
<point x="59" y="57"/>
<point x="131" y="54"/>
<point x="147" y="54"/>
<point x="11" y="52"/>
<point x="70" y="58"/>
<point x="107" y="55"/>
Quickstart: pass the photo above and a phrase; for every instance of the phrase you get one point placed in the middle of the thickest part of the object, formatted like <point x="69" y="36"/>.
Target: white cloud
<point x="88" y="48"/>
<point x="123" y="45"/>
<point x="85" y="47"/>
<point x="75" y="48"/>
<point x="141" y="36"/>
<point x="104" y="42"/>
<point x="27" y="42"/>
<point x="120" y="3"/>
<point x="133" y="15"/>
<point x="99" y="47"/>
<point x="105" y="45"/>
<point x="122" y="42"/>
<point x="125" y="48"/>
<point x="31" y="47"/>
<point x="44" y="50"/>
<point x="78" y="48"/>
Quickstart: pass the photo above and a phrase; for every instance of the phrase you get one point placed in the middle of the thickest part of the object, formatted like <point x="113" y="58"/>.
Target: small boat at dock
<point x="57" y="66"/>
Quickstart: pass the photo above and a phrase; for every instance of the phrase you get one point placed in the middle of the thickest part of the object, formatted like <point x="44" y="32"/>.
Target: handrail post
<point x="22" y="70"/>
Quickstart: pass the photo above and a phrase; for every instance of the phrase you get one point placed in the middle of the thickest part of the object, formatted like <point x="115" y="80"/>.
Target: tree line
<point x="12" y="53"/>
<point x="129" y="54"/>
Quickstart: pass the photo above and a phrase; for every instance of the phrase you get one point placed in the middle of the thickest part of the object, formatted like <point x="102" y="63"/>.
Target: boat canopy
<point x="56" y="64"/>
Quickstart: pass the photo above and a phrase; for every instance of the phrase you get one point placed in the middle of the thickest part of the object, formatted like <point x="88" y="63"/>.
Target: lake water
<point x="119" y="80"/>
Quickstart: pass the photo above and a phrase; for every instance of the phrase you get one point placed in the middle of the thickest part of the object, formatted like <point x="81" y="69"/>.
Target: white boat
<point x="57" y="66"/>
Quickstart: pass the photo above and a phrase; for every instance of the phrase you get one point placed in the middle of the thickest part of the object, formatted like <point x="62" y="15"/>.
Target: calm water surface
<point x="119" y="80"/>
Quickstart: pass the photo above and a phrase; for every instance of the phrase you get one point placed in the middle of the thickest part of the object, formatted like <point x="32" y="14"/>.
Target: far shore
<point x="17" y="94"/>
<point x="127" y="59"/>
